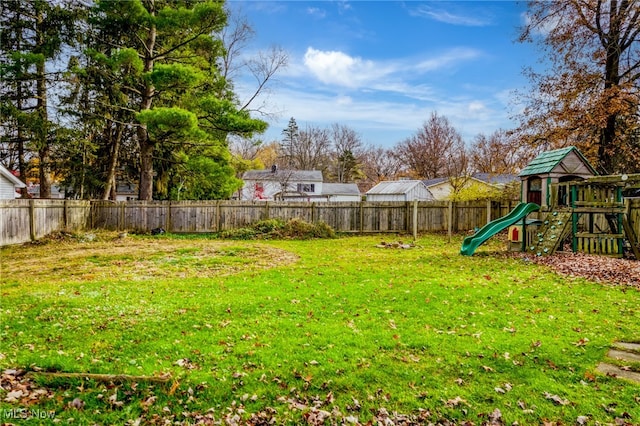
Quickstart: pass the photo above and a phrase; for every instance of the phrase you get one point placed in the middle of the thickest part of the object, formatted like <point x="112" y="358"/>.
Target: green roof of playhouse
<point x="547" y="161"/>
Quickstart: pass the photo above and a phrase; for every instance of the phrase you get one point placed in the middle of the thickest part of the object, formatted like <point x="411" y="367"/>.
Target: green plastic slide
<point x="471" y="243"/>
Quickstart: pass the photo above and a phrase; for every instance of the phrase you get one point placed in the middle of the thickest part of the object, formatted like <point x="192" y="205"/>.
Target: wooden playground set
<point x="571" y="208"/>
<point x="589" y="216"/>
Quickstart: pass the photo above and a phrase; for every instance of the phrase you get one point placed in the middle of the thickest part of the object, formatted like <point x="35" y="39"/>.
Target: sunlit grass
<point x="359" y="327"/>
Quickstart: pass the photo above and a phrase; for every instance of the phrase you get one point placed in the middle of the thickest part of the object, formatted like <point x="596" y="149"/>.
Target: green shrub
<point x="239" y="234"/>
<point x="301" y="230"/>
<point x="296" y="229"/>
<point x="268" y="226"/>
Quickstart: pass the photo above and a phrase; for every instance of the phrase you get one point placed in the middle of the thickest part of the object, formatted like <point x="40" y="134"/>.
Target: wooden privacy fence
<point x="27" y="220"/>
<point x="350" y="217"/>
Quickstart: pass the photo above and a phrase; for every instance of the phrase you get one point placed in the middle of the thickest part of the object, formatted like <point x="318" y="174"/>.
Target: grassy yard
<point x="307" y="331"/>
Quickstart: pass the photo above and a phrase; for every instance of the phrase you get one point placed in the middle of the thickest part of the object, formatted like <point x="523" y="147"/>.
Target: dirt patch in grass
<point x="98" y="256"/>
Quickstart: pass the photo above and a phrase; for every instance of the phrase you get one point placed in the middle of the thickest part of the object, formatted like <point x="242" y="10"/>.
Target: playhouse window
<point x="535" y="184"/>
<point x="534" y="194"/>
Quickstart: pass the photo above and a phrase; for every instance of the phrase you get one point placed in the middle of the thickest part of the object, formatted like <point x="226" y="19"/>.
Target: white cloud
<point x="448" y="58"/>
<point x="448" y="17"/>
<point x="334" y="67"/>
<point x="476" y="107"/>
<point x="339" y="68"/>
<point x="317" y="12"/>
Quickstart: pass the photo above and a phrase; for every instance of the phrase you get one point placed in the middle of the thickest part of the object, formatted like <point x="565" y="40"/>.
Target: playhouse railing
<point x="597" y="211"/>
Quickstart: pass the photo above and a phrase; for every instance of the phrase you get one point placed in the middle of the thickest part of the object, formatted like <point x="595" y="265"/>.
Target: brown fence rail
<point x="27" y="220"/>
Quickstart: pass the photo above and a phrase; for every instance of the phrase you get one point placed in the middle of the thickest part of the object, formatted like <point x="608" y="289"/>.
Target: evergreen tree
<point x="33" y="33"/>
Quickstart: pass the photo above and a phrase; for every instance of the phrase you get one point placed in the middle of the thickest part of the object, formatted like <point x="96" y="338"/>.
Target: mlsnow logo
<point x="23" y="413"/>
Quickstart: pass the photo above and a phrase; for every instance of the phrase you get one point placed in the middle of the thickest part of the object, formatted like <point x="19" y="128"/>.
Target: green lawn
<point x="310" y="330"/>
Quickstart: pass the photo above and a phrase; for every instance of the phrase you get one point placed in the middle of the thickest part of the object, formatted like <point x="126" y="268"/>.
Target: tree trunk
<point x="612" y="81"/>
<point x="145" y="190"/>
<point x="110" y="181"/>
<point x="41" y="110"/>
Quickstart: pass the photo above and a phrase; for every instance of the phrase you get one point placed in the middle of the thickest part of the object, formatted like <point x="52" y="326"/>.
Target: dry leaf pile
<point x="601" y="269"/>
<point x="20" y="389"/>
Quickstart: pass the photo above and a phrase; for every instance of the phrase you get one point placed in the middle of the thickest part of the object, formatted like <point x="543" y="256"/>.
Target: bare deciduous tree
<point x="263" y="65"/>
<point x="378" y="164"/>
<point x="498" y="153"/>
<point x="432" y="151"/>
<point x="307" y="149"/>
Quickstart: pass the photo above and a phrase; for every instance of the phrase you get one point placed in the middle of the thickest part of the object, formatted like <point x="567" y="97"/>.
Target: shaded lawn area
<point x="326" y="330"/>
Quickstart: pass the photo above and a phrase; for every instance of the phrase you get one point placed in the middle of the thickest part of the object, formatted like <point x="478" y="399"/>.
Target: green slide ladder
<point x="471" y="243"/>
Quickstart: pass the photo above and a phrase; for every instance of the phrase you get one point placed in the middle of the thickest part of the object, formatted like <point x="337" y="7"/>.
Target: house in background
<point x="399" y="190"/>
<point x="295" y="185"/>
<point x="499" y="181"/>
<point x="281" y="184"/>
<point x="440" y="188"/>
<point x="482" y="183"/>
<point x="56" y="191"/>
<point x="9" y="184"/>
<point x="126" y="191"/>
<point x="560" y="165"/>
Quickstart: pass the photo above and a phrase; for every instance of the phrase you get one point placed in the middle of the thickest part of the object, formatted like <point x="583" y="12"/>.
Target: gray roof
<point x="340" y="189"/>
<point x="10" y="177"/>
<point x="282" y="174"/>
<point x="394" y="187"/>
<point x="496" y="179"/>
<point x="435" y="181"/>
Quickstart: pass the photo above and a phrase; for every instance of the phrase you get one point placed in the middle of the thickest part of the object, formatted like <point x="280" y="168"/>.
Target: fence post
<point x="168" y="225"/>
<point x="415" y="220"/>
<point x="218" y="226"/>
<point x="450" y="220"/>
<point x="65" y="215"/>
<point x="32" y="220"/>
<point x="121" y="217"/>
<point x="361" y="217"/>
<point x="489" y="210"/>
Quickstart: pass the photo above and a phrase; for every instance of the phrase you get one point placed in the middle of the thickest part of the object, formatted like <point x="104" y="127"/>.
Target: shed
<point x="8" y="184"/>
<point x="560" y="165"/>
<point x="341" y="192"/>
<point x="399" y="190"/>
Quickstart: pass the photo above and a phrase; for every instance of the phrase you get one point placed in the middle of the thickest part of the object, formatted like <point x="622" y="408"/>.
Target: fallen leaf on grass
<point x="556" y="399"/>
<point x="582" y="420"/>
<point x="13" y="396"/>
<point x="455" y="402"/>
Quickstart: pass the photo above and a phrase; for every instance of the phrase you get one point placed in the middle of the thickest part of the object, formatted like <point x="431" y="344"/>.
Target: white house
<point x="399" y="190"/>
<point x="9" y="184"/>
<point x="281" y="184"/>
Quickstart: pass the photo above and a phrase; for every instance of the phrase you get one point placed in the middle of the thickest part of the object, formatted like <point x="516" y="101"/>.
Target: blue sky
<point x="382" y="67"/>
